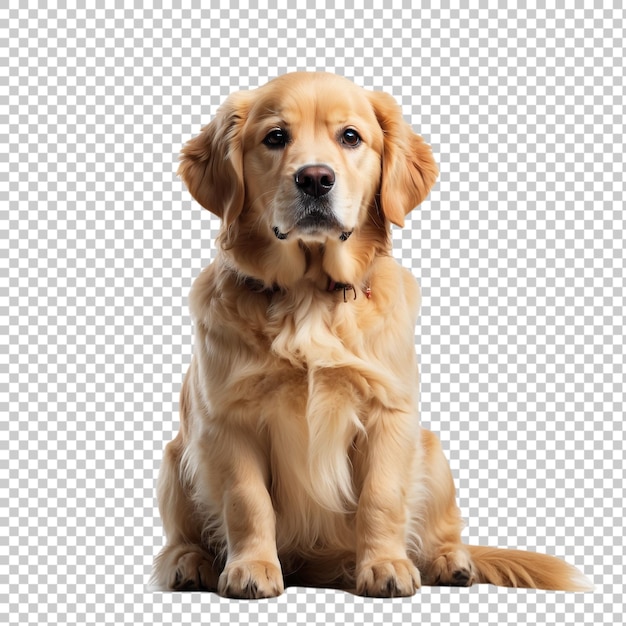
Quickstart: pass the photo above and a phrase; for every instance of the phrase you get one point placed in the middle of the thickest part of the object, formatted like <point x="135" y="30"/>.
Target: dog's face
<point x="308" y="156"/>
<point x="312" y="156"/>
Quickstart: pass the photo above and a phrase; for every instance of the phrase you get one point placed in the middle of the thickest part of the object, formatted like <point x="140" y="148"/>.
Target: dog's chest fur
<point x="306" y="372"/>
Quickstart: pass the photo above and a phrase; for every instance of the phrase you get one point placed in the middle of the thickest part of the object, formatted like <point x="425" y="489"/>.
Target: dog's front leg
<point x="252" y="567"/>
<point x="383" y="567"/>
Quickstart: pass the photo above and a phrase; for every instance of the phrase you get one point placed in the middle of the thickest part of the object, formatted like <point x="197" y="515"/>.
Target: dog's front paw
<point x="388" y="579"/>
<point x="251" y="580"/>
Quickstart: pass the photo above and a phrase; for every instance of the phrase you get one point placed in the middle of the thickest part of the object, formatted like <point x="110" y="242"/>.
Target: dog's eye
<point x="350" y="138"/>
<point x="276" y="138"/>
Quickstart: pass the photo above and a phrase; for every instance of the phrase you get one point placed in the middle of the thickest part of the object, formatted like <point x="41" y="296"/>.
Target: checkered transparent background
<point x="519" y="251"/>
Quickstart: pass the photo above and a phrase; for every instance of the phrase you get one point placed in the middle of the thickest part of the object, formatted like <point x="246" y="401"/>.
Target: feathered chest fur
<point x="306" y="368"/>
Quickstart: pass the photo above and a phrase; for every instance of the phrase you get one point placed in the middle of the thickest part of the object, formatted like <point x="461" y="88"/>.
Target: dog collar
<point x="333" y="285"/>
<point x="345" y="287"/>
<point x="258" y="286"/>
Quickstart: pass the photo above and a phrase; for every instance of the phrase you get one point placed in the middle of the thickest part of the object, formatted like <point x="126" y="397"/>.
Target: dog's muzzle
<point x="314" y="213"/>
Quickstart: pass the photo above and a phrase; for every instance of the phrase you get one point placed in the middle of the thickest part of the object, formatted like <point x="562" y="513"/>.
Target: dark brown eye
<point x="350" y="138"/>
<point x="276" y="138"/>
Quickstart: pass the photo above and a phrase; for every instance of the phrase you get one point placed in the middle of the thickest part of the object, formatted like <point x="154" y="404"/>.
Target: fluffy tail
<point x="515" y="568"/>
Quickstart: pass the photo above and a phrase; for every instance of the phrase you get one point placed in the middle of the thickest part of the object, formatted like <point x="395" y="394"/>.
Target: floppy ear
<point x="211" y="164"/>
<point x="408" y="168"/>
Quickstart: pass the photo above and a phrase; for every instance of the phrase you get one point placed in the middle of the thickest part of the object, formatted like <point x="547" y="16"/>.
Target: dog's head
<point x="308" y="156"/>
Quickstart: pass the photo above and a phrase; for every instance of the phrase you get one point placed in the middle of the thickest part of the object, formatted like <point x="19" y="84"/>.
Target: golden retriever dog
<point x="300" y="457"/>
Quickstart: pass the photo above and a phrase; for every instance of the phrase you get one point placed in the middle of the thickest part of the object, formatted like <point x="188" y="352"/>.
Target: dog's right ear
<point x="211" y="164"/>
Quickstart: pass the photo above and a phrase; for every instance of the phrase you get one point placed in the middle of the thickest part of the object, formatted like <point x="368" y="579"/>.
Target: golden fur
<point x="300" y="456"/>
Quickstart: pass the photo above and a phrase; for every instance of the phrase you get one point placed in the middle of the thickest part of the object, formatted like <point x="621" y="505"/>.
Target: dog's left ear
<point x="408" y="168"/>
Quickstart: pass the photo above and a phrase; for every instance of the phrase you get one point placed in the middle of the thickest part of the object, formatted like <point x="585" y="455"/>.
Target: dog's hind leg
<point x="441" y="557"/>
<point x="184" y="563"/>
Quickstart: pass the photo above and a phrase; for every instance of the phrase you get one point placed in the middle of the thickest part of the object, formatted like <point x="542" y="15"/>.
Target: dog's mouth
<point x="314" y="224"/>
<point x="344" y="236"/>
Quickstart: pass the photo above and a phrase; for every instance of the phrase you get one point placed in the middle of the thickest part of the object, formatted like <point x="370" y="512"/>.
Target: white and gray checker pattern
<point x="519" y="250"/>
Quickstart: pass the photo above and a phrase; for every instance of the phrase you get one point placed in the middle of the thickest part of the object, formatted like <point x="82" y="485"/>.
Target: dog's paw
<point x="192" y="571"/>
<point x="452" y="569"/>
<point x="251" y="580"/>
<point x="388" y="579"/>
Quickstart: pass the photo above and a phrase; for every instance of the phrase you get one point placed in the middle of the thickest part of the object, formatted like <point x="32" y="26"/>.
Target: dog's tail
<point x="516" y="568"/>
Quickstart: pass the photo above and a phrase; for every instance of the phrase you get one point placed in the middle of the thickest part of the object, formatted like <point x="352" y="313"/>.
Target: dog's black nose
<point x="315" y="180"/>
